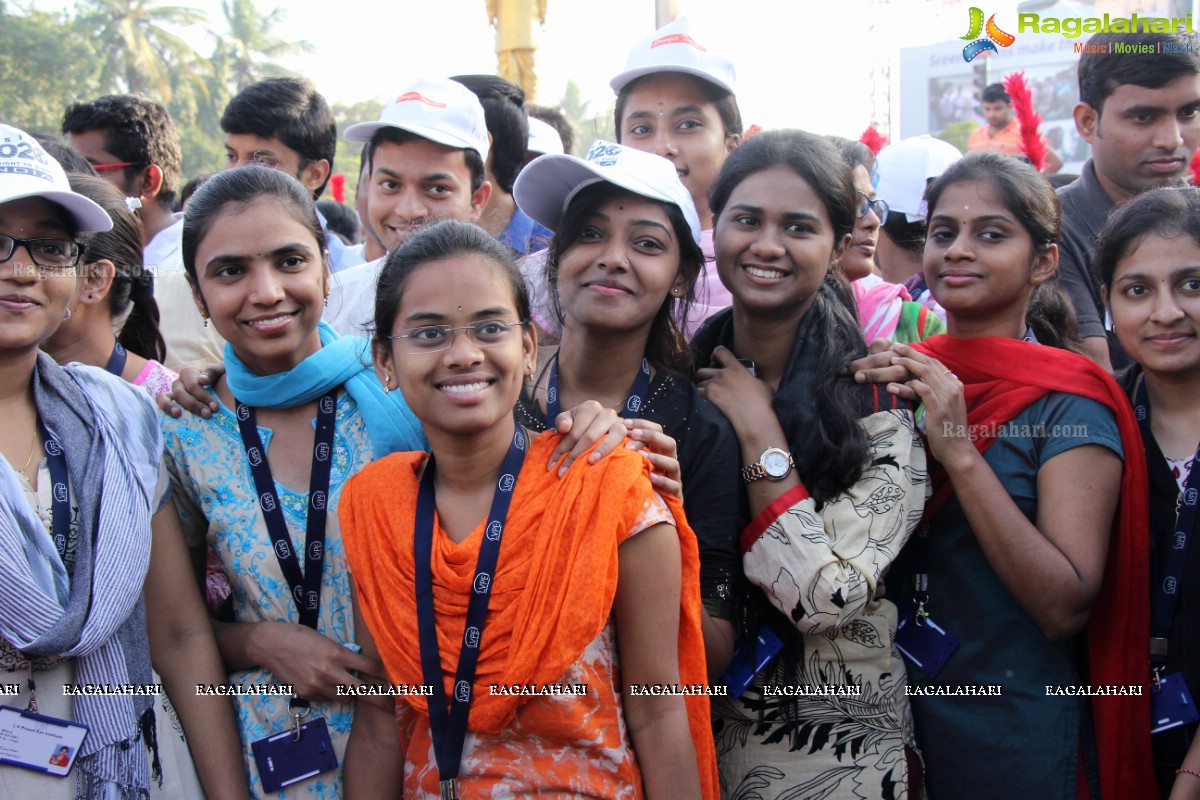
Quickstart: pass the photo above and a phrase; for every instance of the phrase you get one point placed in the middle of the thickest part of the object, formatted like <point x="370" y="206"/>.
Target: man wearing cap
<point x="425" y="162"/>
<point x="1141" y="115"/>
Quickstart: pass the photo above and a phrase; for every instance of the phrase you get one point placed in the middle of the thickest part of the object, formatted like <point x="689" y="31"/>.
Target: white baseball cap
<point x="440" y="110"/>
<point x="27" y="170"/>
<point x="904" y="171"/>
<point x="543" y="138"/>
<point x="673" y="48"/>
<point x="549" y="183"/>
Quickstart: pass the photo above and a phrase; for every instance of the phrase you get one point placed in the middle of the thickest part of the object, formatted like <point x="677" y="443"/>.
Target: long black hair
<point x="131" y="296"/>
<point x="832" y="401"/>
<point x="666" y="347"/>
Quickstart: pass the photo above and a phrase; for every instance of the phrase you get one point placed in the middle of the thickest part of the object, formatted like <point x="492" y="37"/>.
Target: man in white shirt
<point x="425" y="163"/>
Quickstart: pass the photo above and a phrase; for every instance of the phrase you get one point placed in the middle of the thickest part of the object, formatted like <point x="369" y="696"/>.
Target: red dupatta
<point x="1000" y="378"/>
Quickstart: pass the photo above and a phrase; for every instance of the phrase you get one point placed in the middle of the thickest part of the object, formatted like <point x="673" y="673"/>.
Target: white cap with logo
<point x="905" y="169"/>
<point x="26" y="170"/>
<point x="547" y="185"/>
<point x="439" y="109"/>
<point x="673" y="48"/>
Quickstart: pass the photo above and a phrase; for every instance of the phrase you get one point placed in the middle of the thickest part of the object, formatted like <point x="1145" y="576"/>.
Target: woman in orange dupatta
<point x="1035" y="551"/>
<point x="592" y="606"/>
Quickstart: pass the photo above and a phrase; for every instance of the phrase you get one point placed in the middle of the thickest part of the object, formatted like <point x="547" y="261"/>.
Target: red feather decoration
<point x="1030" y="121"/>
<point x="873" y="139"/>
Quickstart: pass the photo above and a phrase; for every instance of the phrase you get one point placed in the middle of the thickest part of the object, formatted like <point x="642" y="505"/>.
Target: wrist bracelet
<point x="1188" y="771"/>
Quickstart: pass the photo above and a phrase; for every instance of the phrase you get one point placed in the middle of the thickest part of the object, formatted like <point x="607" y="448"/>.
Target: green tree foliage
<point x="46" y="60"/>
<point x="956" y="133"/>
<point x="141" y="52"/>
<point x="50" y="60"/>
<point x="251" y="44"/>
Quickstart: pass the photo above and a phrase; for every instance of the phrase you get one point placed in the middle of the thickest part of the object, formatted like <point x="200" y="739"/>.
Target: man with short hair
<point x="1002" y="133"/>
<point x="508" y="124"/>
<point x="425" y="162"/>
<point x="284" y="123"/>
<point x="1141" y="115"/>
<point x="133" y="144"/>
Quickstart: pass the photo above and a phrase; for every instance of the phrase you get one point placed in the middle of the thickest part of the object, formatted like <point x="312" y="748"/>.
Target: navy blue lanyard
<point x="1164" y="596"/>
<point x="633" y="403"/>
<point x="116" y="361"/>
<point x="449" y="726"/>
<point x="60" y="493"/>
<point x="306" y="588"/>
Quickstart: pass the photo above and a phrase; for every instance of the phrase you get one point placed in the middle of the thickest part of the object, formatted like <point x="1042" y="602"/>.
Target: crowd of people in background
<point x="712" y="463"/>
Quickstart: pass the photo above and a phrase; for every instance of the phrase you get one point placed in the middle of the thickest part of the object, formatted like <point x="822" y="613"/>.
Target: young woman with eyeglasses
<point x="491" y="582"/>
<point x="85" y="599"/>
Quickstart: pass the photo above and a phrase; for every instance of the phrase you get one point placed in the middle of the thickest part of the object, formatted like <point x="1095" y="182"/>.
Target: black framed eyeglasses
<point x="432" y="338"/>
<point x="866" y="204"/>
<point x="50" y="254"/>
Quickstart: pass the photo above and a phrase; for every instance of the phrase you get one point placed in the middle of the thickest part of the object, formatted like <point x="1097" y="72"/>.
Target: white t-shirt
<point x="351" y="309"/>
<point x="164" y="253"/>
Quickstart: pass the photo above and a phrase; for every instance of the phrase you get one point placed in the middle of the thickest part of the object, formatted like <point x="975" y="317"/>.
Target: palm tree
<point x="251" y="44"/>
<point x="141" y="52"/>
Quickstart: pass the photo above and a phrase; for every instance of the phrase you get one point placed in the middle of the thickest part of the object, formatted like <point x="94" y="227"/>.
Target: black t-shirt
<point x="709" y="462"/>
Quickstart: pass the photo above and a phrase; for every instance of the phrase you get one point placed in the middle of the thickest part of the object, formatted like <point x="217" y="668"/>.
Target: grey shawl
<point x="95" y="614"/>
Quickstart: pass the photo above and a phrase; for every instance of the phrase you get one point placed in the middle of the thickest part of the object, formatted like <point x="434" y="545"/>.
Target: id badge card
<point x="928" y="645"/>
<point x="283" y="761"/>
<point x="38" y="742"/>
<point x="1171" y="705"/>
<point x="751" y="657"/>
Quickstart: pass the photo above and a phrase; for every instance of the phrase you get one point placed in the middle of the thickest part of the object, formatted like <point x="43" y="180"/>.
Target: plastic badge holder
<point x="751" y="657"/>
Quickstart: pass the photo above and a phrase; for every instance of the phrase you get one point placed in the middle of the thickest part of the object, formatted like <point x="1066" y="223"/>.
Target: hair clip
<point x="133" y="203"/>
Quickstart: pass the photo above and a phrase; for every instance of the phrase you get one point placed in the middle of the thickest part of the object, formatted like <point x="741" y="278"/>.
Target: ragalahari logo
<point x="995" y="36"/>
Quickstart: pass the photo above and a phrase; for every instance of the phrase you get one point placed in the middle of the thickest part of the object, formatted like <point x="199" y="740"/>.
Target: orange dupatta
<point x="553" y="590"/>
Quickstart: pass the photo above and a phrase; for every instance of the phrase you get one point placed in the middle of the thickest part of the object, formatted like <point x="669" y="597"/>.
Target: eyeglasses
<point x="866" y="204"/>
<point x="49" y="254"/>
<point x="432" y="338"/>
<point x="117" y="165"/>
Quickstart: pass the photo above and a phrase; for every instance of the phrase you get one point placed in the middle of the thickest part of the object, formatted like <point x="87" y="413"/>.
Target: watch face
<point x="775" y="463"/>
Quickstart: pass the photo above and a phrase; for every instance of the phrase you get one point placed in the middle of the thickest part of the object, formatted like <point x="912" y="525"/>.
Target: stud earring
<point x="675" y="290"/>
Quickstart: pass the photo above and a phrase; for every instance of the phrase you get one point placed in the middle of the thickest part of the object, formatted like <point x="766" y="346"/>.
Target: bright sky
<point x="800" y="64"/>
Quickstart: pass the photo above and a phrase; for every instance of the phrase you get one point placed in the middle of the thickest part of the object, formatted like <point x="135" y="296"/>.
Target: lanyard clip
<point x="32" y="692"/>
<point x="448" y="790"/>
<point x="1156" y="679"/>
<point x="921" y="595"/>
<point x="298" y="709"/>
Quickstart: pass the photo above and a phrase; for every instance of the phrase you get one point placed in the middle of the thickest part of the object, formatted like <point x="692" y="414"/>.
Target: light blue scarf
<point x="341" y="361"/>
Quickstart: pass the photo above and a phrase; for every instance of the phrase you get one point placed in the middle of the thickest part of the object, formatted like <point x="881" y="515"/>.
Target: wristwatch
<point x="774" y="465"/>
